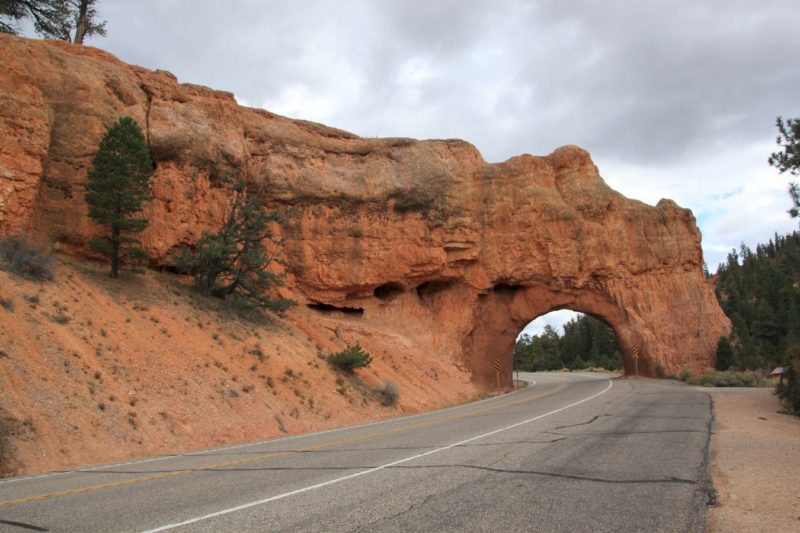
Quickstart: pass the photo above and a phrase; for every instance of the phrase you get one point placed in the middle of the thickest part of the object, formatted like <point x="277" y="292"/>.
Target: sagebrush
<point x="22" y="256"/>
<point x="725" y="378"/>
<point x="390" y="393"/>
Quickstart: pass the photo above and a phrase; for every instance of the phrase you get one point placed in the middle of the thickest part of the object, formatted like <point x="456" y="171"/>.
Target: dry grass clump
<point x="389" y="394"/>
<point x="23" y="257"/>
<point x="726" y="378"/>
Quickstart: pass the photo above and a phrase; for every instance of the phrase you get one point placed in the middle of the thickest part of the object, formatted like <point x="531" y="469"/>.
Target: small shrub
<point x="258" y="352"/>
<point x="19" y="255"/>
<point x="6" y="448"/>
<point x="726" y="378"/>
<point x="12" y="429"/>
<point x="686" y="375"/>
<point x="350" y="358"/>
<point x="60" y="318"/>
<point x="7" y="304"/>
<point x="389" y="394"/>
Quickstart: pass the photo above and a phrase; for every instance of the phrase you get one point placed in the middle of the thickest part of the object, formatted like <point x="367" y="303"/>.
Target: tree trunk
<point x="115" y="242"/>
<point x="81" y="23"/>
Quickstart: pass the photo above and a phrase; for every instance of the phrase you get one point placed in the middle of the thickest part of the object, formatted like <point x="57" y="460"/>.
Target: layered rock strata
<point x="454" y="255"/>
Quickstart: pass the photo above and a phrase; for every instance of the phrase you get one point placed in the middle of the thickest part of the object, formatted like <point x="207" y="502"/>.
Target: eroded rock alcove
<point x="423" y="241"/>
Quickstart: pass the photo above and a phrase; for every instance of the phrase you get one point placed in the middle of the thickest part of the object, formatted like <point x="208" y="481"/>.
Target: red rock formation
<point x="450" y="253"/>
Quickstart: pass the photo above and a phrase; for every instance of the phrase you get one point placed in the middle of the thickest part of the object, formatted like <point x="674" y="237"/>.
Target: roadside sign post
<point x="514" y="371"/>
<point x="636" y="359"/>
<point x="497" y="371"/>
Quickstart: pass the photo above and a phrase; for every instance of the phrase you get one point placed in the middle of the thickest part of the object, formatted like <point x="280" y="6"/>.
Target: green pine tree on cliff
<point x="118" y="185"/>
<point x="67" y="20"/>
<point x="789" y="159"/>
<point x="235" y="261"/>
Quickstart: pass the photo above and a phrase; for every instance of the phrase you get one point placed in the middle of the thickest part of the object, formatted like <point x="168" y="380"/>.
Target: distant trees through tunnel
<point x="586" y="342"/>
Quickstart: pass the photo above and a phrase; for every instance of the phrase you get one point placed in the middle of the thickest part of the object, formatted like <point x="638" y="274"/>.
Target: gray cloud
<point x="673" y="98"/>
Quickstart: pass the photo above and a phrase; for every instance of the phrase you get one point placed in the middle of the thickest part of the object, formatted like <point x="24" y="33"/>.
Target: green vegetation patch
<point x="350" y="358"/>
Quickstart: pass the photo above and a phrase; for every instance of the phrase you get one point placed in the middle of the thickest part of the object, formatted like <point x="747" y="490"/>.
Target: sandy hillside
<point x="95" y="370"/>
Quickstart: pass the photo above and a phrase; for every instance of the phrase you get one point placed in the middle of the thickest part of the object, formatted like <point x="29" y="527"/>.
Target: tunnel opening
<point x="567" y="340"/>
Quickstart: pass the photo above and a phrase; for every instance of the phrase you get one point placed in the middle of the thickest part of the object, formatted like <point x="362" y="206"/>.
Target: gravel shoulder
<point x="755" y="461"/>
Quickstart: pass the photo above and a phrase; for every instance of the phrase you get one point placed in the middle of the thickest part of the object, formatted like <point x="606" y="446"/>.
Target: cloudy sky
<point x="673" y="98"/>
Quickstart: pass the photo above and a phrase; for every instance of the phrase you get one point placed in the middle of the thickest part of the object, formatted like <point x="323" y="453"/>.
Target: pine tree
<point x="66" y="20"/>
<point x="725" y="354"/>
<point x="586" y="342"/>
<point x="235" y="261"/>
<point x="759" y="293"/>
<point x="789" y="159"/>
<point x="118" y="185"/>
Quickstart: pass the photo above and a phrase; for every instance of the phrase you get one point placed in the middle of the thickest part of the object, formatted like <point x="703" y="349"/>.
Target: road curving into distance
<point x="572" y="452"/>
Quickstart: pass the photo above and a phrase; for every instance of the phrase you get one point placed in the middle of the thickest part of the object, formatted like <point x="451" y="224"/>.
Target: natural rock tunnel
<point x="430" y="244"/>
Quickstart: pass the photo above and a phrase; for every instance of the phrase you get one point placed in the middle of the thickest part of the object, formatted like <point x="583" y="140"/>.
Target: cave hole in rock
<point x="507" y="288"/>
<point x="329" y="309"/>
<point x="388" y="291"/>
<point x="429" y="288"/>
<point x="566" y="339"/>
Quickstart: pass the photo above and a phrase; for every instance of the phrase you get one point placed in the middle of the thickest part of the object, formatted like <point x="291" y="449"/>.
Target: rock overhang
<point x="477" y="248"/>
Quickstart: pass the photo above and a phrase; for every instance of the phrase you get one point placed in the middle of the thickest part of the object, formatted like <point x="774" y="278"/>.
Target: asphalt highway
<point x="571" y="452"/>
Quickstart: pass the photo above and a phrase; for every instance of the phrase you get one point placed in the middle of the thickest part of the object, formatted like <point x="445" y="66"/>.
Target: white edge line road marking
<point x="246" y="444"/>
<point x="370" y="471"/>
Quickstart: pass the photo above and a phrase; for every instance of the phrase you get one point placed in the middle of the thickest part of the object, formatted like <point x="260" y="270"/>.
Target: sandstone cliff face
<point x="424" y="238"/>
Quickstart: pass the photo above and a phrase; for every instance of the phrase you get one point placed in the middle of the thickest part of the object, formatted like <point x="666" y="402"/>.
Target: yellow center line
<point x="272" y="455"/>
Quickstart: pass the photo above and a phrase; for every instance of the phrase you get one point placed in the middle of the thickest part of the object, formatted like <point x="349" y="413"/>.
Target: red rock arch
<point x="440" y="251"/>
<point x="495" y="337"/>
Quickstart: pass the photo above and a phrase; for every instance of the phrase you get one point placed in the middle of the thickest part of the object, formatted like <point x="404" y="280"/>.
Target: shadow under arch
<point x="504" y="313"/>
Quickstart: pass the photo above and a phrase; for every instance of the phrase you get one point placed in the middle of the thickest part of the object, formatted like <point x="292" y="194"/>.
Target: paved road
<point x="570" y="453"/>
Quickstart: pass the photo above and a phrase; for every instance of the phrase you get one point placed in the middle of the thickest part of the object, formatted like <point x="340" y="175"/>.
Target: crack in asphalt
<point x="371" y="526"/>
<point x="707" y="483"/>
<point x="22" y="525"/>
<point x="573" y="477"/>
<point x="617" y="433"/>
<point x="595" y="417"/>
<point x="310" y="468"/>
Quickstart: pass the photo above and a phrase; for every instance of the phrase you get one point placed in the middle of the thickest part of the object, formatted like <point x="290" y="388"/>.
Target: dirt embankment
<point x="94" y="370"/>
<point x="755" y="463"/>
